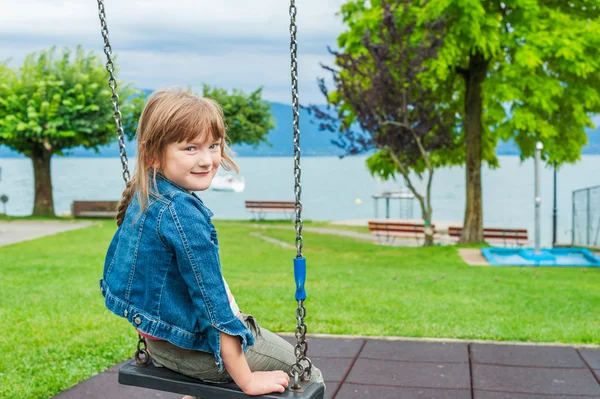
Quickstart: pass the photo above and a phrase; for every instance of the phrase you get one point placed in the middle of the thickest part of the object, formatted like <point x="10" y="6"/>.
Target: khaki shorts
<point x="270" y="352"/>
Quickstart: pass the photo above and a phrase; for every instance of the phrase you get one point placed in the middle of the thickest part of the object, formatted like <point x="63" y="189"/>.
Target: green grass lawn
<point x="56" y="331"/>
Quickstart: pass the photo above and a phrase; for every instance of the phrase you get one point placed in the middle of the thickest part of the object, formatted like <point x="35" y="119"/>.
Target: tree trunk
<point x="424" y="202"/>
<point x="43" y="204"/>
<point x="428" y="230"/>
<point x="426" y="211"/>
<point x="472" y="231"/>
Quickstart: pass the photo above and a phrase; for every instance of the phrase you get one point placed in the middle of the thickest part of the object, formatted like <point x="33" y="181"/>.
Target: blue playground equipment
<point x="546" y="257"/>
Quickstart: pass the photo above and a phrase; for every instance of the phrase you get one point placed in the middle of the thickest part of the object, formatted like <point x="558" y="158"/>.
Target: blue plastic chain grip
<point x="300" y="276"/>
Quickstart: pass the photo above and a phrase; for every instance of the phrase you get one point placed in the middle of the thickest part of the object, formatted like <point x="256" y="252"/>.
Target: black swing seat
<point x="163" y="379"/>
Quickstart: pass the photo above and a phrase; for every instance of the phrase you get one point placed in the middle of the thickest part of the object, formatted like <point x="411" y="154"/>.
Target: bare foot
<point x="188" y="397"/>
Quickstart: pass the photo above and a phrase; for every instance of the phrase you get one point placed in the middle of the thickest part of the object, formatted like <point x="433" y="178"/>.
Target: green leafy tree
<point x="247" y="116"/>
<point x="529" y="71"/>
<point x="56" y="102"/>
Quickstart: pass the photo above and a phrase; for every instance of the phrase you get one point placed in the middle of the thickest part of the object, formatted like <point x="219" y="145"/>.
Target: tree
<point x="530" y="72"/>
<point x="247" y="116"/>
<point x="382" y="90"/>
<point x="54" y="103"/>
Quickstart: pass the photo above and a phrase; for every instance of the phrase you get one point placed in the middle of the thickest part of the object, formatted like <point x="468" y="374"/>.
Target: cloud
<point x="229" y="43"/>
<point x="242" y="70"/>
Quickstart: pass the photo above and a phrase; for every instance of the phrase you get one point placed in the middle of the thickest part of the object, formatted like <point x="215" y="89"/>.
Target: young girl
<point x="162" y="270"/>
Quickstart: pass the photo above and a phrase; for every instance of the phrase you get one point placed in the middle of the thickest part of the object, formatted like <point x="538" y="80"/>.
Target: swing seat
<point x="163" y="379"/>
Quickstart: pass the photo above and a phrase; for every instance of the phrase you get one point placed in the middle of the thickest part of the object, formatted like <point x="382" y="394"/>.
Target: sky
<point x="180" y="43"/>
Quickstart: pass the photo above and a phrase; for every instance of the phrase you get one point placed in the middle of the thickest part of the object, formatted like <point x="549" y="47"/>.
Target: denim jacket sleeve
<point x="186" y="228"/>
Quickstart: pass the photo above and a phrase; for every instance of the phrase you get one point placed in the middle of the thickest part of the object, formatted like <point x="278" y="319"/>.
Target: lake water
<point x="330" y="189"/>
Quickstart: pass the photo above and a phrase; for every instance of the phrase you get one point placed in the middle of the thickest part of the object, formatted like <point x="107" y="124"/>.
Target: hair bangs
<point x="202" y="121"/>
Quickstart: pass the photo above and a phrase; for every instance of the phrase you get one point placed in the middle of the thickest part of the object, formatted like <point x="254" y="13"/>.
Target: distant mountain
<point x="313" y="142"/>
<point x="592" y="147"/>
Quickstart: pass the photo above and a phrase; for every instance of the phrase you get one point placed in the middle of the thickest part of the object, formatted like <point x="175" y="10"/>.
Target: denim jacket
<point x="163" y="274"/>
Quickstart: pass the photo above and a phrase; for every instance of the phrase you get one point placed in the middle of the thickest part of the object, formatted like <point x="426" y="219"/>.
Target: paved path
<point x="396" y="241"/>
<point x="322" y="230"/>
<point x="390" y="369"/>
<point x="25" y="230"/>
<point x="473" y="256"/>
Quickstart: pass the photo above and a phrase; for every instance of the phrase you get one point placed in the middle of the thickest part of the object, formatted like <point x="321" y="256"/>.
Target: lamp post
<point x="538" y="199"/>
<point x="4" y="200"/>
<point x="554" y="211"/>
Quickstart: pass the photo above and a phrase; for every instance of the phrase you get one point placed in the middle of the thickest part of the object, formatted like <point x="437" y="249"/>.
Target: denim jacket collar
<point x="167" y="187"/>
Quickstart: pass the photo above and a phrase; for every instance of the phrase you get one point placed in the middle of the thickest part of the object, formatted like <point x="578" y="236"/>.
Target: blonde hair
<point x="171" y="116"/>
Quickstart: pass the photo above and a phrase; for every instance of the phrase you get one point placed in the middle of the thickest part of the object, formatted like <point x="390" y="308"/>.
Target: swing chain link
<point x="303" y="365"/>
<point x="141" y="354"/>
<point x="296" y="128"/>
<point x="112" y="83"/>
<point x="298" y="370"/>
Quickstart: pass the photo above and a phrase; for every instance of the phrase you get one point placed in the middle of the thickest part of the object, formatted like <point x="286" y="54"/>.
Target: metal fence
<point x="586" y="217"/>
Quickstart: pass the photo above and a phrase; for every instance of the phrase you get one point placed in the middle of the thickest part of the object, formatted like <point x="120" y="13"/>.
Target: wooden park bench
<point x="518" y="237"/>
<point x="392" y="230"/>
<point x="94" y="209"/>
<point x="262" y="207"/>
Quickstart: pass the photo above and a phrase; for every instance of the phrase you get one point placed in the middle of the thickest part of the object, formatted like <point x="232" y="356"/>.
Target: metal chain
<point x="302" y="369"/>
<point x="296" y="126"/>
<point x="298" y="370"/>
<point x="142" y="356"/>
<point x="112" y="83"/>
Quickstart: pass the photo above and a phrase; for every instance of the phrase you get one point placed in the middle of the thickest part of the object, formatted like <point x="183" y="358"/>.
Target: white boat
<point x="228" y="183"/>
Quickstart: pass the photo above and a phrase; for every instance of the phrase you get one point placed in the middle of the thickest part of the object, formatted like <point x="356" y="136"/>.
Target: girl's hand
<point x="264" y="382"/>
